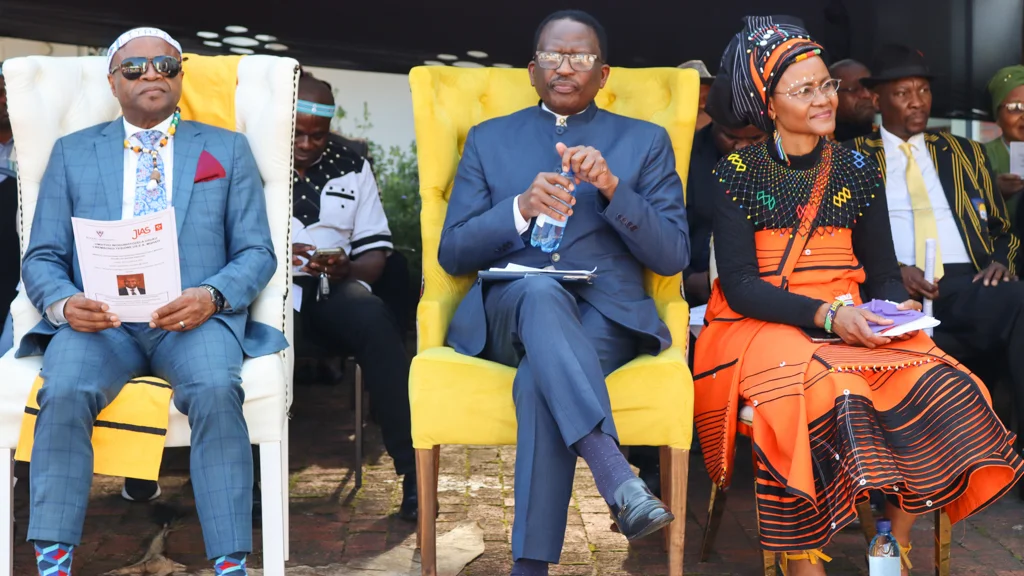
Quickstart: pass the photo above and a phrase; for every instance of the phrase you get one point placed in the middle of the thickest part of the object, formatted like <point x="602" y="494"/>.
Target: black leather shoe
<point x="136" y="490"/>
<point x="410" y="508"/>
<point x="637" y="512"/>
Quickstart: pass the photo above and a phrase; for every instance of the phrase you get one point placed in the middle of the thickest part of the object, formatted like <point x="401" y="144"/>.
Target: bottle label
<point x="544" y="219"/>
<point x="883" y="566"/>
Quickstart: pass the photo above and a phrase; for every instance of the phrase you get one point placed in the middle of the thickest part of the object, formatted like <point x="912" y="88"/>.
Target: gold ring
<point x="182" y="324"/>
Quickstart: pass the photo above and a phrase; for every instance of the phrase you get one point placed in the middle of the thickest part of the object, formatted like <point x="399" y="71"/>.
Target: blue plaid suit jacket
<point x="223" y="232"/>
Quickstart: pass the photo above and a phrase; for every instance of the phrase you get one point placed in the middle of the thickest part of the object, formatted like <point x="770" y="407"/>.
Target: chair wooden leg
<point x="273" y="508"/>
<point x="943" y="536"/>
<point x="716" y="506"/>
<point x="426" y="485"/>
<point x="867" y="520"/>
<point x="676" y="462"/>
<point x="665" y="477"/>
<point x="7" y="512"/>
<point x="359" y="426"/>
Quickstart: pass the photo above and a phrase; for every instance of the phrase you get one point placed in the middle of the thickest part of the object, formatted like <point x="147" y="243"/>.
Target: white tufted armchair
<point x="51" y="97"/>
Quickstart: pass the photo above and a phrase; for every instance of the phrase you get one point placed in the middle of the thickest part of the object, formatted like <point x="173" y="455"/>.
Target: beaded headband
<point x="316" y="109"/>
<point x="139" y="33"/>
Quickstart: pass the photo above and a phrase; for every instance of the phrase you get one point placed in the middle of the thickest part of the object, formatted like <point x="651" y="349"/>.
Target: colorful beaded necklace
<point x="155" y="177"/>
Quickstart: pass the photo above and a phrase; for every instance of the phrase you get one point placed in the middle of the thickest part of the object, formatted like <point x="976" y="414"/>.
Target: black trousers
<point x="985" y="321"/>
<point x="355" y="321"/>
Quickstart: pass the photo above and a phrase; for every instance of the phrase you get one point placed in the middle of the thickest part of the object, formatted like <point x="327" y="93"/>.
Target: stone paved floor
<point x="330" y="523"/>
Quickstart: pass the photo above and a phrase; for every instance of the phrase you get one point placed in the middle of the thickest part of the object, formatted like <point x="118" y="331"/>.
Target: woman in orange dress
<point x="801" y="230"/>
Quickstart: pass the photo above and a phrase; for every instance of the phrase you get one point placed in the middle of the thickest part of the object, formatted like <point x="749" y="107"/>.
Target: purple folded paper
<point x="888" y="310"/>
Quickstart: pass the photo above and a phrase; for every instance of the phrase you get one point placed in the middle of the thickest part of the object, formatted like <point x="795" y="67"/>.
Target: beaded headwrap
<point x="751" y="67"/>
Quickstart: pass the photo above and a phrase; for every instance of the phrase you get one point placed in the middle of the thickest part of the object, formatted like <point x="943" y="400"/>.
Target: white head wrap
<point x="139" y="33"/>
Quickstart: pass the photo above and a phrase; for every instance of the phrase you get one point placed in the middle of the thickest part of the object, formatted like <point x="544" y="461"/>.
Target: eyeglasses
<point x="135" y="67"/>
<point x="578" y="61"/>
<point x="808" y="93"/>
<point x="1014" y="107"/>
<point x="854" y="89"/>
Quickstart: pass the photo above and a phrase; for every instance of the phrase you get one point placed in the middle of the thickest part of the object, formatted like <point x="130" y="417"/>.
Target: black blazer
<point x="966" y="177"/>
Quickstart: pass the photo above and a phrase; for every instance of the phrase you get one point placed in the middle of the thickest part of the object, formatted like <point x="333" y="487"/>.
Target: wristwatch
<point x="218" y="298"/>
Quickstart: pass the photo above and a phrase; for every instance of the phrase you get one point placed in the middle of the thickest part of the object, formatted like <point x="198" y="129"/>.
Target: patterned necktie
<point x="148" y="201"/>
<point x="925" y="226"/>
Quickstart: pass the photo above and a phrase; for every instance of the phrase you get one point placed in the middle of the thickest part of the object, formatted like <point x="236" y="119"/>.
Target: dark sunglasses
<point x="133" y="68"/>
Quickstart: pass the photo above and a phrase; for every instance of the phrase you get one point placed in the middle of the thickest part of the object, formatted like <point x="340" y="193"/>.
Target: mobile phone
<point x="325" y="253"/>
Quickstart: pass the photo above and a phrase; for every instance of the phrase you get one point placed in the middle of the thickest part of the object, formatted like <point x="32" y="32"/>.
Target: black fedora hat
<point x="894" y="62"/>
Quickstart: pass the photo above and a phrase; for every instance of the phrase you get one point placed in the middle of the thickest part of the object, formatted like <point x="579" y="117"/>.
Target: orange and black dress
<point x="831" y="421"/>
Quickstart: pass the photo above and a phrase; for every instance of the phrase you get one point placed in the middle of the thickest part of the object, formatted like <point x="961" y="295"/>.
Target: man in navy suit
<point x="196" y="342"/>
<point x="627" y="214"/>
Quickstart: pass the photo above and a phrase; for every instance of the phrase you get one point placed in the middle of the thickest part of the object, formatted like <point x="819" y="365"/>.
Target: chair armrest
<point x="442" y="292"/>
<point x="437" y="306"/>
<point x="272" y="307"/>
<point x="25" y="316"/>
<point x="672" y="308"/>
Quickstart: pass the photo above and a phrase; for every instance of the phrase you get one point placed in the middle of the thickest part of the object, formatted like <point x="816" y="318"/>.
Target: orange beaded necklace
<point x="155" y="177"/>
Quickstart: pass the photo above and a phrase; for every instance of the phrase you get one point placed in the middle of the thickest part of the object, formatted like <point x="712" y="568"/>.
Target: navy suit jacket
<point x="223" y="232"/>
<point x="644" y="225"/>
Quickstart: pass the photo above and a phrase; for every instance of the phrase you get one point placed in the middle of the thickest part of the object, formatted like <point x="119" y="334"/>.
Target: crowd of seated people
<point x="801" y="158"/>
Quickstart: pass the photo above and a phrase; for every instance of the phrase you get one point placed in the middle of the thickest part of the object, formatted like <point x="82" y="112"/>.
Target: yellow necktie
<point x="924" y="217"/>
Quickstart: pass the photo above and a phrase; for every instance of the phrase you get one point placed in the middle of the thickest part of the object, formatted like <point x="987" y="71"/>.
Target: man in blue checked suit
<point x="142" y="163"/>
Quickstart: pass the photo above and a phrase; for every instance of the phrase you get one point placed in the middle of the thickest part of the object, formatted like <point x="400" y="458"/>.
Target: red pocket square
<point x="209" y="168"/>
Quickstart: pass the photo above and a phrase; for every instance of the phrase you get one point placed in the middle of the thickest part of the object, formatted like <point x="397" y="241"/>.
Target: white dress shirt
<point x="55" y="312"/>
<point x="901" y="212"/>
<point x="522" y="224"/>
<point x="355" y="226"/>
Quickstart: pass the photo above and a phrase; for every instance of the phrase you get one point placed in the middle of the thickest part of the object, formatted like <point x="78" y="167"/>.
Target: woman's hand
<point x="908" y="305"/>
<point x="851" y="324"/>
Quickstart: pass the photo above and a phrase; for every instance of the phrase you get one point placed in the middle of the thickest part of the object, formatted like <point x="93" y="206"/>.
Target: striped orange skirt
<point x="833" y="422"/>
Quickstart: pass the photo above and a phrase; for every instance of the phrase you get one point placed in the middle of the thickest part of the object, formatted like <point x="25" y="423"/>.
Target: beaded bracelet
<point x="831" y="315"/>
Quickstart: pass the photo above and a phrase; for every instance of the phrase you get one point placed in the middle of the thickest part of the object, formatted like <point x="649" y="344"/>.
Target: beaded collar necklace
<point x="155" y="177"/>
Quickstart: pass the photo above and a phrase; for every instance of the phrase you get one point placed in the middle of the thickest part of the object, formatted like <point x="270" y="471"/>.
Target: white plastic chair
<point x="51" y="97"/>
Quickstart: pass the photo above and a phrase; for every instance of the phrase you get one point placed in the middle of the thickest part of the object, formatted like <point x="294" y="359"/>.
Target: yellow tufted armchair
<point x="457" y="399"/>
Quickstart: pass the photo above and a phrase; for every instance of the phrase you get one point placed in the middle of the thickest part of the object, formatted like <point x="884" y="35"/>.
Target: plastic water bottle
<point x="547" y="232"/>
<point x="884" y="551"/>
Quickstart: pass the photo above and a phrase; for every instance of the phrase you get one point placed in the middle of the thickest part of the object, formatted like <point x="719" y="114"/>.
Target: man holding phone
<point x="342" y="242"/>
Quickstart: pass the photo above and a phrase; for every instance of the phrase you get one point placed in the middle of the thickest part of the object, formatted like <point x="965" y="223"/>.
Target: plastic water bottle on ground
<point x="547" y="232"/>
<point x="884" y="551"/>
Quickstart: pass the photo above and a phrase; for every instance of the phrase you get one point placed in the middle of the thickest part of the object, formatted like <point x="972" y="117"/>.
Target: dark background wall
<point x="965" y="40"/>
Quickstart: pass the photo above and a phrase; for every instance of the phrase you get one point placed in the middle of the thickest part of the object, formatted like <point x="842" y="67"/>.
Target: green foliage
<point x="398" y="180"/>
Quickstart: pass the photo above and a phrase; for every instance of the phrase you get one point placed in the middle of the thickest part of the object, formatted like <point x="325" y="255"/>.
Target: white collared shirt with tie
<point x="55" y="312"/>
<point x="901" y="213"/>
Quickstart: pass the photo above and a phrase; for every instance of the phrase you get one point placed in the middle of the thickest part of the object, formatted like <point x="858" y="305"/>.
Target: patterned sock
<point x="527" y="567"/>
<point x="53" y="558"/>
<point x="606" y="462"/>
<point x="233" y="564"/>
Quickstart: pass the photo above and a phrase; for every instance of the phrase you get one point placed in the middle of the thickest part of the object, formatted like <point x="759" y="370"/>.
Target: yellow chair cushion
<point x="128" y="436"/>
<point x="208" y="90"/>
<point x="456" y="399"/>
<point x="459" y="399"/>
